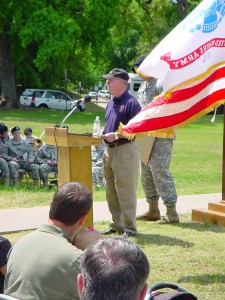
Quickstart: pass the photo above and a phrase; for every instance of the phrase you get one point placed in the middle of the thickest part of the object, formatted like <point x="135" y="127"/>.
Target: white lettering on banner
<point x="191" y="57"/>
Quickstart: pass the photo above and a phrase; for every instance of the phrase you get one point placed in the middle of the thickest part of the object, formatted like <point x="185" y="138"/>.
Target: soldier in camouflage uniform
<point x="97" y="163"/>
<point x="47" y="158"/>
<point x="5" y="134"/>
<point x="20" y="156"/>
<point x="31" y="140"/>
<point x="3" y="163"/>
<point x="157" y="181"/>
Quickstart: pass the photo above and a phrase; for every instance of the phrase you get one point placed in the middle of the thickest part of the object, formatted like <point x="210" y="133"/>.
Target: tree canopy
<point x="42" y="40"/>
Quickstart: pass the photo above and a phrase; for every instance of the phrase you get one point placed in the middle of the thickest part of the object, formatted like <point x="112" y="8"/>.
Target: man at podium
<point x="121" y="158"/>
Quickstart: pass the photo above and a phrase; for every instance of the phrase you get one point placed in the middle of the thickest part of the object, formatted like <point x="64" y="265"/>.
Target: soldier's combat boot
<point x="35" y="184"/>
<point x="171" y="215"/>
<point x="15" y="181"/>
<point x="153" y="214"/>
<point x="6" y="181"/>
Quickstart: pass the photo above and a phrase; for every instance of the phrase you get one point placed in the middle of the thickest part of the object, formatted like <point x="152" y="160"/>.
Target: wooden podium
<point x="74" y="158"/>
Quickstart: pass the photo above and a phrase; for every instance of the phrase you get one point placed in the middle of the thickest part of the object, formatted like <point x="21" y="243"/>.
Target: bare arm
<point x="3" y="270"/>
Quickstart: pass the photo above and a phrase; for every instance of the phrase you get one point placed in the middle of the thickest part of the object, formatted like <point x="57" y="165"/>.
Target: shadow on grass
<point x="200" y="226"/>
<point x="203" y="279"/>
<point x="161" y="240"/>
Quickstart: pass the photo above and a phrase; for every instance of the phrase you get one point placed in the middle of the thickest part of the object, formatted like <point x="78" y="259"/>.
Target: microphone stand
<point x="67" y="116"/>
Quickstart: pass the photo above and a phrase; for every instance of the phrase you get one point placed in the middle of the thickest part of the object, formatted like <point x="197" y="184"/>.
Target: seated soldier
<point x="47" y="158"/>
<point x="31" y="140"/>
<point x="5" y="137"/>
<point x="3" y="163"/>
<point x="20" y="156"/>
<point x="97" y="164"/>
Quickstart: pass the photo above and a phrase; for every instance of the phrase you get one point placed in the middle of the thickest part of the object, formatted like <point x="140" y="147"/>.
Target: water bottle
<point x="96" y="127"/>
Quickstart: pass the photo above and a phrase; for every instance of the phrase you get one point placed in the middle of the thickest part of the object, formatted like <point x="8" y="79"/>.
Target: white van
<point x="134" y="83"/>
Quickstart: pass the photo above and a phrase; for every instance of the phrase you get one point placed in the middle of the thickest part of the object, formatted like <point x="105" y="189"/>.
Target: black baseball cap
<point x="138" y="63"/>
<point x="120" y="73"/>
<point x="16" y="128"/>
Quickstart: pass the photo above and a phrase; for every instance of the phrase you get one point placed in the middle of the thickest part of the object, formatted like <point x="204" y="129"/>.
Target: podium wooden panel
<point x="74" y="158"/>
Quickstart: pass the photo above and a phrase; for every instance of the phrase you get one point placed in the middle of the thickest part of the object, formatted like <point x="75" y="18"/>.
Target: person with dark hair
<point x="113" y="268"/>
<point x="121" y="157"/>
<point x="44" y="264"/>
<point x="157" y="181"/>
<point x="4" y="131"/>
<point x="20" y="156"/>
<point x="5" y="246"/>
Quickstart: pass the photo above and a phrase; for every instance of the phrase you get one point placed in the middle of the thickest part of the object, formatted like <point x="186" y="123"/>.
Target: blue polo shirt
<point x="121" y="109"/>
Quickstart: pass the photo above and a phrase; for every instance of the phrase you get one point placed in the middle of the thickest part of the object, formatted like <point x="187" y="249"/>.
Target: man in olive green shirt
<point x="44" y="264"/>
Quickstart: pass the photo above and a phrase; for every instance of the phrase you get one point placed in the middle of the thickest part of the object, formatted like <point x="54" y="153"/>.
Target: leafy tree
<point x="45" y="37"/>
<point x="40" y="39"/>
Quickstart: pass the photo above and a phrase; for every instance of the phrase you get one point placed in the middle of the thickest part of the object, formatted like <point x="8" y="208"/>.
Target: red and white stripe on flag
<point x="190" y="62"/>
<point x="180" y="107"/>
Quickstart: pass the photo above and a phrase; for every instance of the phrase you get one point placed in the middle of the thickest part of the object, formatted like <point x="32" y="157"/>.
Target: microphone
<point x="85" y="99"/>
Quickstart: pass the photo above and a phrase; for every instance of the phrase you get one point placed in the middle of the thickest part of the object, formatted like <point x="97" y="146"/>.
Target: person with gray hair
<point x="113" y="268"/>
<point x="121" y="156"/>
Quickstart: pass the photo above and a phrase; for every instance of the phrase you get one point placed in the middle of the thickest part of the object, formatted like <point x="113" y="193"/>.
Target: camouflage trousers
<point x="157" y="181"/>
<point x="45" y="169"/>
<point x="97" y="174"/>
<point x="31" y="168"/>
<point x="4" y="168"/>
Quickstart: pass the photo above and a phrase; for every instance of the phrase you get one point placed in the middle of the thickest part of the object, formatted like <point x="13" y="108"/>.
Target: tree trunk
<point x="8" y="85"/>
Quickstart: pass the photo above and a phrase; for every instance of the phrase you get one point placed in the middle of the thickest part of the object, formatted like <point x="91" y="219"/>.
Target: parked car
<point x="93" y="94"/>
<point x="104" y="94"/>
<point x="46" y="99"/>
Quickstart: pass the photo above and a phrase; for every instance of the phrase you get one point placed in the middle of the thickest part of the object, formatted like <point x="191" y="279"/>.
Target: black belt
<point x="117" y="144"/>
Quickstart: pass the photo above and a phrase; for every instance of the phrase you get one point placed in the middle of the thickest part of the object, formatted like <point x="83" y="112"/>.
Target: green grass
<point x="189" y="254"/>
<point x="196" y="160"/>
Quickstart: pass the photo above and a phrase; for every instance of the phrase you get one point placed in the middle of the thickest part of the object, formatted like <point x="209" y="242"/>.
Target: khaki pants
<point x="121" y="174"/>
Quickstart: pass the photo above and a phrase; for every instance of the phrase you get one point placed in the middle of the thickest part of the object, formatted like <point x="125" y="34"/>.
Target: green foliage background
<point x="86" y="38"/>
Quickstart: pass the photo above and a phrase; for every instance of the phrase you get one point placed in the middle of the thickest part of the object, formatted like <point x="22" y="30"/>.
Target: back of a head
<point x="114" y="268"/>
<point x="70" y="203"/>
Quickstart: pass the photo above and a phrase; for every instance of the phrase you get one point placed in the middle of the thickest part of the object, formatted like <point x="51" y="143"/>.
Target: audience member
<point x="44" y="264"/>
<point x="48" y="160"/>
<point x="121" y="157"/>
<point x="5" y="137"/>
<point x="20" y="156"/>
<point x="5" y="246"/>
<point x="31" y="140"/>
<point x="4" y="169"/>
<point x="113" y="268"/>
